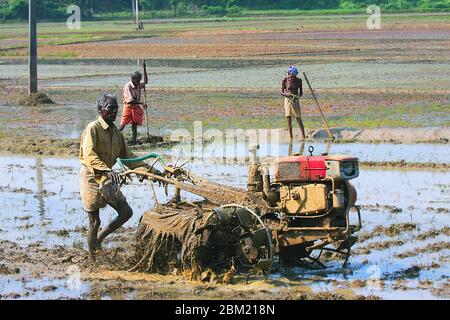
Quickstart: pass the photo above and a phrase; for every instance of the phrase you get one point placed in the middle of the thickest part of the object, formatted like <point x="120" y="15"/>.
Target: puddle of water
<point x="40" y="196"/>
<point x="41" y="193"/>
<point x="404" y="188"/>
<point x="32" y="289"/>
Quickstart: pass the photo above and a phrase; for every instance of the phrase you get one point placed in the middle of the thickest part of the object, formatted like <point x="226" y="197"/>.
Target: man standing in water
<point x="133" y="112"/>
<point x="292" y="90"/>
<point x="100" y="146"/>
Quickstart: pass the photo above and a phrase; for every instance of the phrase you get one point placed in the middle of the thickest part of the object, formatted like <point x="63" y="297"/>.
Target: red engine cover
<point x="300" y="168"/>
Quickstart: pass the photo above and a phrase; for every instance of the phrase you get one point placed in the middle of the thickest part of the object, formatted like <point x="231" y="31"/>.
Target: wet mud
<point x="404" y="238"/>
<point x="36" y="100"/>
<point x="403" y="188"/>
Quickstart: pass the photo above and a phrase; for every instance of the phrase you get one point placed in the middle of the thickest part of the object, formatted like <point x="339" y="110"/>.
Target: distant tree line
<point x="56" y="9"/>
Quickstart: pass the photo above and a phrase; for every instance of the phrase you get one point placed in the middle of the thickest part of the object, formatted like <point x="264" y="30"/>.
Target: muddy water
<point x="40" y="205"/>
<point x="324" y="75"/>
<point x="55" y="71"/>
<point x="382" y="75"/>
<point x="420" y="153"/>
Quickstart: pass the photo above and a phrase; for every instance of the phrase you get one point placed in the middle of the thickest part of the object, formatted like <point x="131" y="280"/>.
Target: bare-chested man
<point x="292" y="90"/>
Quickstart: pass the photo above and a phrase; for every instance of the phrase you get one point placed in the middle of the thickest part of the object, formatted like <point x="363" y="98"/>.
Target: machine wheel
<point x="235" y="236"/>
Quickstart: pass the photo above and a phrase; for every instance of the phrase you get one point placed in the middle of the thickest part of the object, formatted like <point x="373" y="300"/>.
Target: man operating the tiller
<point x="101" y="144"/>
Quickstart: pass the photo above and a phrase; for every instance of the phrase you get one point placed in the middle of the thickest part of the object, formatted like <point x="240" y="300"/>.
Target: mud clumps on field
<point x="409" y="273"/>
<point x="60" y="147"/>
<point x="6" y="270"/>
<point x="149" y="139"/>
<point x="16" y="190"/>
<point x="176" y="239"/>
<point x="66" y="147"/>
<point x="377" y="208"/>
<point x="434" y="247"/>
<point x="60" y="233"/>
<point x="167" y="239"/>
<point x="404" y="164"/>
<point x="35" y="99"/>
<point x="329" y="295"/>
<point x="394" y="229"/>
<point x="385" y="244"/>
<point x="434" y="233"/>
<point x="442" y="291"/>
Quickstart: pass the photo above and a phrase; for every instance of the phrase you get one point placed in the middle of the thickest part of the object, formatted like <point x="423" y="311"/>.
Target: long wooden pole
<point x="330" y="135"/>
<point x="146" y="113"/>
<point x="145" y="98"/>
<point x="32" y="62"/>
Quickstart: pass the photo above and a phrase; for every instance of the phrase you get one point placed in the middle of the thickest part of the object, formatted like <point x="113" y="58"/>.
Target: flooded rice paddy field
<point x="363" y="78"/>
<point x="227" y="74"/>
<point x="403" y="251"/>
<point x="228" y="152"/>
<point x="230" y="93"/>
<point x="172" y="109"/>
<point x="383" y="75"/>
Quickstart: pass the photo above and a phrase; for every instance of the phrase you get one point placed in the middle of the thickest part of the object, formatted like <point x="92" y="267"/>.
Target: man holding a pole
<point x="133" y="112"/>
<point x="292" y="90"/>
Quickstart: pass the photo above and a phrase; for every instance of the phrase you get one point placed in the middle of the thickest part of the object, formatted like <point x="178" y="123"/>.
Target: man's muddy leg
<point x="289" y="120"/>
<point x="302" y="128"/>
<point x="134" y="133"/>
<point x="94" y="225"/>
<point x="124" y="214"/>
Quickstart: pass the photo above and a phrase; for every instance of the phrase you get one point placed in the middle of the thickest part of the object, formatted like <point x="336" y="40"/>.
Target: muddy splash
<point x="163" y="233"/>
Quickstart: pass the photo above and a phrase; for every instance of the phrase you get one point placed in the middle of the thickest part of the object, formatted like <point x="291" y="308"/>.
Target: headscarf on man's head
<point x="292" y="70"/>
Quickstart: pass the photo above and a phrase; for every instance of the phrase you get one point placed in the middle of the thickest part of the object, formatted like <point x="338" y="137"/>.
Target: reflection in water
<point x="40" y="187"/>
<point x="301" y="149"/>
<point x="418" y="197"/>
<point x="328" y="147"/>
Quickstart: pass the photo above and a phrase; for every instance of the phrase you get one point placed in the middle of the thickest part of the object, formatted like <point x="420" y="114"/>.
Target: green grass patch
<point x="282" y="12"/>
<point x="254" y="20"/>
<point x="12" y="53"/>
<point x="63" y="54"/>
<point x="393" y="117"/>
<point x="374" y="117"/>
<point x="251" y="13"/>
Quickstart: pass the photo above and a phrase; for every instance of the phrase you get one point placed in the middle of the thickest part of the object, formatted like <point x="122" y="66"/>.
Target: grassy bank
<point x="242" y="14"/>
